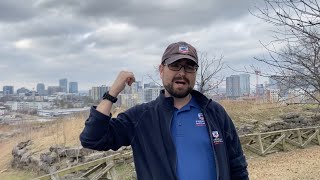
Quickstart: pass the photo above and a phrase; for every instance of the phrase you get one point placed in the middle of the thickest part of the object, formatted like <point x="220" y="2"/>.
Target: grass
<point x="124" y="171"/>
<point x="17" y="175"/>
<point x="63" y="131"/>
<point x="242" y="111"/>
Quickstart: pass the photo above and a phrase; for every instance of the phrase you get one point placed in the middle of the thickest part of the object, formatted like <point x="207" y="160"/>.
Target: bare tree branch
<point x="208" y="78"/>
<point x="296" y="24"/>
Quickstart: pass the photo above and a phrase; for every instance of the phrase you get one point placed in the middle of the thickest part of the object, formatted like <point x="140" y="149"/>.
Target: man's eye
<point x="175" y="65"/>
<point x="189" y="66"/>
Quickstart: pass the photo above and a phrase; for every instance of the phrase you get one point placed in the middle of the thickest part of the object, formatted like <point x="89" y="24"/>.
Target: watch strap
<point x="107" y="96"/>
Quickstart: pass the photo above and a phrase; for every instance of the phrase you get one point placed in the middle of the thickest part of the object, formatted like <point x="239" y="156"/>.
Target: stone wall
<point x="285" y="121"/>
<point x="58" y="157"/>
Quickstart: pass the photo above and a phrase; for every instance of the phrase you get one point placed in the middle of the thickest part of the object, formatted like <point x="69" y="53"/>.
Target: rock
<point x="59" y="150"/>
<point x="134" y="175"/>
<point x="246" y="129"/>
<point x="297" y="120"/>
<point x="94" y="156"/>
<point x="132" y="164"/>
<point x="85" y="151"/>
<point x="110" y="152"/>
<point x="289" y="115"/>
<point x="316" y="118"/>
<point x="252" y="121"/>
<point x="15" y="151"/>
<point x="273" y="123"/>
<point x="53" y="168"/>
<point x="25" y="159"/>
<point x="72" y="153"/>
<point x="15" y="162"/>
<point x="35" y="161"/>
<point x="22" y="145"/>
<point x="309" y="121"/>
<point x="20" y="152"/>
<point x="78" y="152"/>
<point x="43" y="166"/>
<point x="49" y="157"/>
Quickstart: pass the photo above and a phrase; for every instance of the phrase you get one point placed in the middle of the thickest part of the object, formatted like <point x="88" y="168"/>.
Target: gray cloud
<point x="165" y="14"/>
<point x="91" y="41"/>
<point x="15" y="11"/>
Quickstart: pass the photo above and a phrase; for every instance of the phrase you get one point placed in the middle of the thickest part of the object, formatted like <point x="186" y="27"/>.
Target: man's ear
<point x="161" y="68"/>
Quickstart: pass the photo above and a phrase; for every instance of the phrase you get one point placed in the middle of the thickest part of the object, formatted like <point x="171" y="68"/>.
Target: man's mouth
<point x="180" y="82"/>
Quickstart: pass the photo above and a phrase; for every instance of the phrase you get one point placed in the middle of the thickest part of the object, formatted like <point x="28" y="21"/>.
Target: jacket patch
<point x="216" y="138"/>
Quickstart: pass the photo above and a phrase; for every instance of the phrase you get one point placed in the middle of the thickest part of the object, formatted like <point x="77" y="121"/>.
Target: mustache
<point x="181" y="78"/>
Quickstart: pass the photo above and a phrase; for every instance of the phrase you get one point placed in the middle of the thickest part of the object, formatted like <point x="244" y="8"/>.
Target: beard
<point x="178" y="93"/>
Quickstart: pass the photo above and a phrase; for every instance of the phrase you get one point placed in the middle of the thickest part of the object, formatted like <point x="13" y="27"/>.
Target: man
<point x="180" y="135"/>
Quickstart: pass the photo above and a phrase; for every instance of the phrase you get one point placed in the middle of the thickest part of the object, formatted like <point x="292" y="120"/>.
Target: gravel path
<point x="292" y="165"/>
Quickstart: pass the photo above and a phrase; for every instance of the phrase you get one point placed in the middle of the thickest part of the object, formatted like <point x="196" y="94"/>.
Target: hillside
<point x="65" y="131"/>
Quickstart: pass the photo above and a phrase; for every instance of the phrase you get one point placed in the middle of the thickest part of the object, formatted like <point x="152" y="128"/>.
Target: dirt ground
<point x="293" y="165"/>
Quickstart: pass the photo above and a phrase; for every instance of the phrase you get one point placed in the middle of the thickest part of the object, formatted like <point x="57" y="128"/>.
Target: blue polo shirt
<point x="195" y="158"/>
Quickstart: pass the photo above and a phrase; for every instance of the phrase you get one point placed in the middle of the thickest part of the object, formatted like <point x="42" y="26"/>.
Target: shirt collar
<point x="191" y="103"/>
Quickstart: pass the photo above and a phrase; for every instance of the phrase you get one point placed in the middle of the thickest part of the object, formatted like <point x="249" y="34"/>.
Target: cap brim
<point x="180" y="56"/>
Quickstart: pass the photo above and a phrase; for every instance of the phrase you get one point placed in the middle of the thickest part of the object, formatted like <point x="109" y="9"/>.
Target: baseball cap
<point x="179" y="50"/>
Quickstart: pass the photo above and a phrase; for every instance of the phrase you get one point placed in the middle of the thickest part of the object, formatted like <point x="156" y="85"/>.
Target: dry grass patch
<point x="64" y="131"/>
<point x="241" y="111"/>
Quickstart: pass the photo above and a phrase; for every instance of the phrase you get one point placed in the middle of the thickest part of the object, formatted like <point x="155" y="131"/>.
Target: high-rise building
<point x="54" y="89"/>
<point x="7" y="90"/>
<point x="22" y="90"/>
<point x="233" y="86"/>
<point x="73" y="87"/>
<point x="260" y="90"/>
<point x="41" y="89"/>
<point x="97" y="92"/>
<point x="63" y="83"/>
<point x="280" y="82"/>
<point x="151" y="93"/>
<point x="244" y="84"/>
<point x="273" y="84"/>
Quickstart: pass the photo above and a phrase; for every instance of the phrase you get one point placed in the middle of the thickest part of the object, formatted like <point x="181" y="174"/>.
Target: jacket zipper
<point x="212" y="146"/>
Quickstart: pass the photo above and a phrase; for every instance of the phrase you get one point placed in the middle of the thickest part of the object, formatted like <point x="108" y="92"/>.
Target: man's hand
<point x="124" y="77"/>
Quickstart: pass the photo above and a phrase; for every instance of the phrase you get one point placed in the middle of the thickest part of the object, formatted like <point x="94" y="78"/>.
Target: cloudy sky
<point x="90" y="41"/>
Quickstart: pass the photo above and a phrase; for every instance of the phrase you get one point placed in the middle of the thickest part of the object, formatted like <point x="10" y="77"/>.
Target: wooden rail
<point x="99" y="167"/>
<point x="269" y="142"/>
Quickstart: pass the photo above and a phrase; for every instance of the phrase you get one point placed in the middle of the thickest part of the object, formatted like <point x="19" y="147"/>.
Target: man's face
<point x="178" y="83"/>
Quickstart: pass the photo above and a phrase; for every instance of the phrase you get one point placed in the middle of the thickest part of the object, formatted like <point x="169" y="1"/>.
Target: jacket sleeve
<point x="237" y="160"/>
<point x="102" y="132"/>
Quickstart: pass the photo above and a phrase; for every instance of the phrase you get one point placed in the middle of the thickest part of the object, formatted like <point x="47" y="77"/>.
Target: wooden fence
<point x="269" y="142"/>
<point x="97" y="169"/>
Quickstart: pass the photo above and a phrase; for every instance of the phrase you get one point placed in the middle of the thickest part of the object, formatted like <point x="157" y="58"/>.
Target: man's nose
<point x="182" y="70"/>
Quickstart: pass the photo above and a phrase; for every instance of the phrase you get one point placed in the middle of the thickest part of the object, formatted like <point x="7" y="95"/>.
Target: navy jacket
<point x="146" y="128"/>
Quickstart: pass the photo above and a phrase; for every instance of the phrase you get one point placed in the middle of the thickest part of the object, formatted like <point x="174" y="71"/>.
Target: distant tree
<point x="296" y="31"/>
<point x="208" y="79"/>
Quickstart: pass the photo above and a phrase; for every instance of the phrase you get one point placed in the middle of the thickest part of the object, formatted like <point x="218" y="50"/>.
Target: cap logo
<point x="183" y="49"/>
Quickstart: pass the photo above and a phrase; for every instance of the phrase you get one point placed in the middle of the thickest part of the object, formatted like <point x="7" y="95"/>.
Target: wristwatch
<point x="107" y="96"/>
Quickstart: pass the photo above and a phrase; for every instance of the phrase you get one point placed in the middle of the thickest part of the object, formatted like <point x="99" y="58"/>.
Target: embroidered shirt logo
<point x="200" y="116"/>
<point x="200" y="120"/>
<point x="216" y="137"/>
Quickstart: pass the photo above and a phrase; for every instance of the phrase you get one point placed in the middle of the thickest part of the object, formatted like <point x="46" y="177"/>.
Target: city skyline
<point x="35" y="88"/>
<point x="90" y="42"/>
